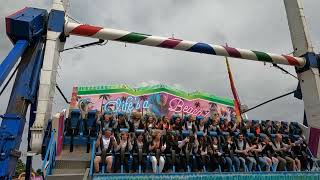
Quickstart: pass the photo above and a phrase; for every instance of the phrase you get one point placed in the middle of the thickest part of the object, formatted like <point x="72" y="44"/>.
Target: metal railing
<point x="50" y="157"/>
<point x="93" y="150"/>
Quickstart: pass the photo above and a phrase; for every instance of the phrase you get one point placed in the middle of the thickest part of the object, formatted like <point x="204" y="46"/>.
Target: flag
<point x="237" y="103"/>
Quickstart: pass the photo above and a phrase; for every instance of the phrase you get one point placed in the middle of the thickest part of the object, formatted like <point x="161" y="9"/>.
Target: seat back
<point x="75" y="117"/>
<point x="91" y="119"/>
<point x="213" y="133"/>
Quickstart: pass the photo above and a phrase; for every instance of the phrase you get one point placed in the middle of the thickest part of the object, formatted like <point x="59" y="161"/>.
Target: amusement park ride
<point x="39" y="37"/>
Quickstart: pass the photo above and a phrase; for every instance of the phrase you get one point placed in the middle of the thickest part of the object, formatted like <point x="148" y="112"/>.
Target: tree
<point x="20" y="168"/>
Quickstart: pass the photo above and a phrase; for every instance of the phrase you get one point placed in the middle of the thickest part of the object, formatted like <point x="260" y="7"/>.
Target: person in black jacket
<point x="176" y="123"/>
<point x="268" y="153"/>
<point x="136" y="121"/>
<point x="243" y="151"/>
<point x="140" y="144"/>
<point x="188" y="148"/>
<point x="123" y="150"/>
<point x="122" y="122"/>
<point x="107" y="121"/>
<point x="171" y="140"/>
<point x="300" y="150"/>
<point x="216" y="154"/>
<point x="230" y="156"/>
<point x="202" y="155"/>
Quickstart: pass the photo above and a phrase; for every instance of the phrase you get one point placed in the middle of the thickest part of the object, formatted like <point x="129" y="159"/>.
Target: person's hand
<point x="187" y="139"/>
<point x="112" y="137"/>
<point x="165" y="145"/>
<point x="100" y="135"/>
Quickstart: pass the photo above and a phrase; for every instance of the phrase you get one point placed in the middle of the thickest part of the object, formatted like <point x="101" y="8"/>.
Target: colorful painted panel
<point x="159" y="100"/>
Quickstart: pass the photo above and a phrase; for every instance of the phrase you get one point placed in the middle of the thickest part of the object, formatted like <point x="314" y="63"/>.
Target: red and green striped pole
<point x="178" y="44"/>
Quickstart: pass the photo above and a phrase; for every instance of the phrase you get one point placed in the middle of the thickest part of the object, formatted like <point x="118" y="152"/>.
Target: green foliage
<point x="20" y="168"/>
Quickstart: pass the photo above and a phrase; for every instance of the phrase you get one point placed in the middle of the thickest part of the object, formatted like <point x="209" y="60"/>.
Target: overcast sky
<point x="251" y="24"/>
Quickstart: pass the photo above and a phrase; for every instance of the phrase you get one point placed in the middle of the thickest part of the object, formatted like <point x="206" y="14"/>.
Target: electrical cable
<point x="10" y="78"/>
<point x="61" y="93"/>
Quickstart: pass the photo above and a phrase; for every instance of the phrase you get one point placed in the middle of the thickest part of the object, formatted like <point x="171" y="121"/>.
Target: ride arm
<point x="178" y="44"/>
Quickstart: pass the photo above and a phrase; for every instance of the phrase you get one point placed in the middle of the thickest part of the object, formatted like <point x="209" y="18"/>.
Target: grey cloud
<point x="251" y="24"/>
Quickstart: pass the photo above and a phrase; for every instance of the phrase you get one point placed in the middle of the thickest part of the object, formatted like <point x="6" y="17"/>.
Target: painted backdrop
<point x="160" y="100"/>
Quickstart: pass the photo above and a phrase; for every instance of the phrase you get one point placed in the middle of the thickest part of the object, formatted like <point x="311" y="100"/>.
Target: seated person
<point x="189" y="148"/>
<point x="284" y="128"/>
<point x="276" y="127"/>
<point x="300" y="150"/>
<point x="140" y="143"/>
<point x="176" y="123"/>
<point x="105" y="145"/>
<point x="190" y="123"/>
<point x="242" y="150"/>
<point x="268" y="153"/>
<point x="122" y="122"/>
<point x="256" y="129"/>
<point x="156" y="148"/>
<point x="164" y="123"/>
<point x="267" y="128"/>
<point x="150" y="122"/>
<point x="201" y="125"/>
<point x="216" y="154"/>
<point x="281" y="150"/>
<point x="136" y="121"/>
<point x="230" y="155"/>
<point x="202" y="156"/>
<point x="107" y="120"/>
<point x="231" y="127"/>
<point x="124" y="146"/>
<point x="264" y="161"/>
<point x="294" y="154"/>
<point x="213" y="125"/>
<point x="171" y="139"/>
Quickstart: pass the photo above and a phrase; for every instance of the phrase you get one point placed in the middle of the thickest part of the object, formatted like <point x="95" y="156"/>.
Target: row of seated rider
<point x="214" y="123"/>
<point x="199" y="152"/>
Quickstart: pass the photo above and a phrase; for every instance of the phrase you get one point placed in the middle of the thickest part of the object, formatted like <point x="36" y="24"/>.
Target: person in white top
<point x="104" y="145"/>
<point x="282" y="150"/>
<point x="154" y="146"/>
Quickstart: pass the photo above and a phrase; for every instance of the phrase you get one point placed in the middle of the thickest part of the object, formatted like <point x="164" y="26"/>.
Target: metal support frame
<point x="12" y="58"/>
<point x="54" y="44"/>
<point x="25" y="87"/>
<point x="309" y="78"/>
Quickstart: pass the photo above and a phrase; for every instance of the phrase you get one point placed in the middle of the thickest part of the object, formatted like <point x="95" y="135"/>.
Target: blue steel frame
<point x="49" y="159"/>
<point x="22" y="95"/>
<point x="12" y="59"/>
<point x="25" y="28"/>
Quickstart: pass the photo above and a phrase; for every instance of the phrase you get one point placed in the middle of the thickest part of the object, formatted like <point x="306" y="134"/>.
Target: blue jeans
<point x="243" y="162"/>
<point x="252" y="163"/>
<point x="232" y="161"/>
<point x="263" y="163"/>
